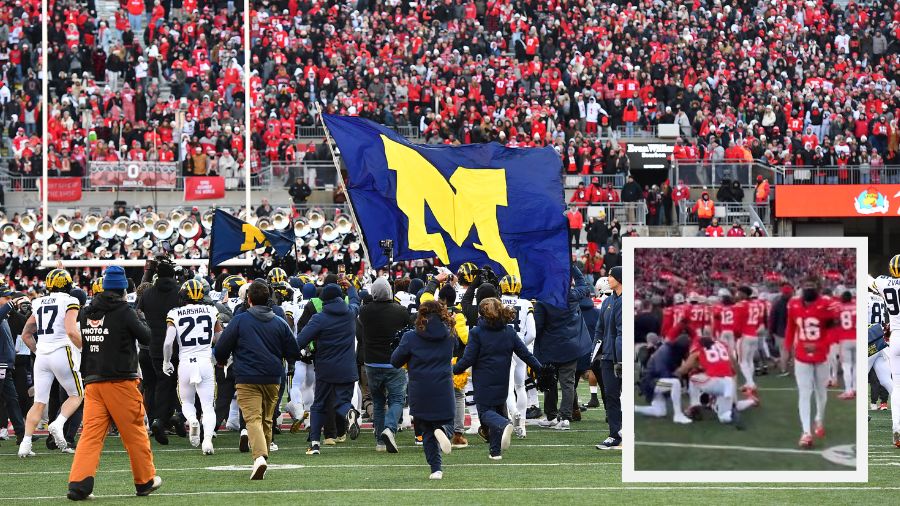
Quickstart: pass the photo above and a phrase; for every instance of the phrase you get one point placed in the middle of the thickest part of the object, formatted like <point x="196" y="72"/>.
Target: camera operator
<point x="155" y="303"/>
<point x="8" y="394"/>
<point x="485" y="285"/>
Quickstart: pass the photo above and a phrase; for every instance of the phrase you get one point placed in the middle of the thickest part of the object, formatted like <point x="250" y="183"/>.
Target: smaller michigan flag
<point x="231" y="237"/>
<point x="481" y="203"/>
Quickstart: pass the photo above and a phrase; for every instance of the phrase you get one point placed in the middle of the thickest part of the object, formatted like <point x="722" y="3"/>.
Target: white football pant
<point x="197" y="377"/>
<point x="516" y="399"/>
<point x="724" y="392"/>
<point x="747" y="347"/>
<point x="658" y="407"/>
<point x="63" y="365"/>
<point x="848" y="363"/>
<point x="811" y="378"/>
<point x="893" y="355"/>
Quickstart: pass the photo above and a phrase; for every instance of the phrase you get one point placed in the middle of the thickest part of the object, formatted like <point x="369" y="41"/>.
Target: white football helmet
<point x="602" y="285"/>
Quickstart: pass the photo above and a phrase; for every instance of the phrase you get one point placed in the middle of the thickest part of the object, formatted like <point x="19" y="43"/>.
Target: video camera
<point x="488" y="275"/>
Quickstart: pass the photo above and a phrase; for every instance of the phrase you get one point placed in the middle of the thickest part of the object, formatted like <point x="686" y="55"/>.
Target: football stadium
<point x="375" y="250"/>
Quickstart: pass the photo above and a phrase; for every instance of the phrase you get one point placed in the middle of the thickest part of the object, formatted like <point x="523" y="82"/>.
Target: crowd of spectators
<point x="155" y="81"/>
<point x="664" y="272"/>
<point x="20" y="86"/>
<point x="796" y="82"/>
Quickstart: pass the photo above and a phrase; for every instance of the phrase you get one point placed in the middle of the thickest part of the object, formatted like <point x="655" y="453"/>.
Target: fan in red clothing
<point x="709" y="365"/>
<point x="808" y="338"/>
<point x="845" y="336"/>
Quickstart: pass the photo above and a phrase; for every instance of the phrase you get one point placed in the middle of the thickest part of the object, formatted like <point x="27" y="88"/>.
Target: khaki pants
<point x="257" y="403"/>
<point x="104" y="403"/>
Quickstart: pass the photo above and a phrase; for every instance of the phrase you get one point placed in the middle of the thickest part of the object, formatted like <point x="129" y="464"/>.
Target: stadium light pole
<point x="44" y="163"/>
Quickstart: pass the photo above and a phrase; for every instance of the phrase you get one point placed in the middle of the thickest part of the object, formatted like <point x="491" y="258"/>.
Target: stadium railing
<point x="318" y="174"/>
<point x="851" y="174"/>
<point x="705" y="173"/>
<point x="572" y="180"/>
<point x="318" y="132"/>
<point x="259" y="180"/>
<point x="628" y="213"/>
<point x="729" y="213"/>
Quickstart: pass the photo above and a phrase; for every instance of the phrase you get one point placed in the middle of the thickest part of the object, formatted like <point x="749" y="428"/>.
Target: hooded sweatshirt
<point x="155" y="303"/>
<point x="109" y="330"/>
<point x="259" y="341"/>
<point x="334" y="330"/>
<point x="381" y="320"/>
<point x="427" y="356"/>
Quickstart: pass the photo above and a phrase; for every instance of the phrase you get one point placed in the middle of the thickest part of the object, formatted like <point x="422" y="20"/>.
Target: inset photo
<point x="744" y="361"/>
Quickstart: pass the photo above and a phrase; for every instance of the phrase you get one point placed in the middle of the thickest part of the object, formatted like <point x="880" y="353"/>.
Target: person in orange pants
<point x="109" y="367"/>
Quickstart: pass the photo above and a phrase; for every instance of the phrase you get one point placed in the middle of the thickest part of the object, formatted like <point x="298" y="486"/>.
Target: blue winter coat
<point x="561" y="333"/>
<point x="334" y="330"/>
<point x="427" y="356"/>
<point x="662" y="364"/>
<point x="489" y="353"/>
<point x="259" y="341"/>
<point x="609" y="328"/>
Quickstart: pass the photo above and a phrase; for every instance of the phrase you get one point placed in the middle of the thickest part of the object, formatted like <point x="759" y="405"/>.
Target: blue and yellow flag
<point x="481" y="203"/>
<point x="231" y="237"/>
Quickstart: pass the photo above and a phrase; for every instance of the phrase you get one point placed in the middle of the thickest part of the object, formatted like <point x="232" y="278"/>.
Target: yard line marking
<point x="726" y="447"/>
<point x="649" y="488"/>
<point x="332" y="466"/>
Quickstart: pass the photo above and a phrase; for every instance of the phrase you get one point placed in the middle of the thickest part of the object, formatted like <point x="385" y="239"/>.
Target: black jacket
<point x="300" y="192"/>
<point x="109" y="329"/>
<point x="155" y="303"/>
<point x="631" y="192"/>
<point x="381" y="320"/>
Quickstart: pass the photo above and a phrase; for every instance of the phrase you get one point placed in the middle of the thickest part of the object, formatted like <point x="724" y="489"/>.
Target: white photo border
<point x="630" y="475"/>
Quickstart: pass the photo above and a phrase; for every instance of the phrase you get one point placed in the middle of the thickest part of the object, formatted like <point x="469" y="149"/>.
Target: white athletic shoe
<point x="69" y="450"/>
<point x="682" y="419"/>
<point x="561" y="425"/>
<point x="473" y="429"/>
<point x="208" y="447"/>
<point x="437" y="475"/>
<point x="56" y="432"/>
<point x="506" y="437"/>
<point x="519" y="427"/>
<point x="443" y="441"/>
<point x="273" y="447"/>
<point x="549" y="423"/>
<point x="291" y="409"/>
<point x="4" y="434"/>
<point x="194" y="433"/>
<point x="259" y="468"/>
<point x="25" y="449"/>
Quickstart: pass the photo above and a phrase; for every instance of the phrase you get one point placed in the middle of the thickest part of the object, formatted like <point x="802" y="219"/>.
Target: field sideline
<point x="549" y="466"/>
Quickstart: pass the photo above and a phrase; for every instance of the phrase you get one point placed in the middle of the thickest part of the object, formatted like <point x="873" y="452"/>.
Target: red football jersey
<point x="714" y="360"/>
<point x="697" y="315"/>
<point x="754" y="316"/>
<point x="807" y="334"/>
<point x="729" y="318"/>
<point x="846" y="327"/>
<point x="673" y="315"/>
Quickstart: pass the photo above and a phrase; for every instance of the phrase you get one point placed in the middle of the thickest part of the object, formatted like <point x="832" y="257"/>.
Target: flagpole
<point x="337" y="165"/>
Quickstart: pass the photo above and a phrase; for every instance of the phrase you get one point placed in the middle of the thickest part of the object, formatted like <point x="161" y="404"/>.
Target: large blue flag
<point x="231" y="237"/>
<point x="480" y="203"/>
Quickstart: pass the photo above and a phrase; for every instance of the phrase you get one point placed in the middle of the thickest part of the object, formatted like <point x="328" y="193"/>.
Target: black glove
<point x="290" y="368"/>
<point x="617" y="369"/>
<point x="547" y="377"/>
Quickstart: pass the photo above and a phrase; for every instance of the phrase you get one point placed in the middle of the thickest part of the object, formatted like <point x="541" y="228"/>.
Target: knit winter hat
<point x="331" y="291"/>
<point x="114" y="279"/>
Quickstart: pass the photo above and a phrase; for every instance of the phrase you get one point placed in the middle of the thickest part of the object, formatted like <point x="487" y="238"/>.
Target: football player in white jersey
<point x="196" y="326"/>
<point x="517" y="398"/>
<point x="230" y="287"/>
<point x="888" y="287"/>
<point x="54" y="322"/>
<point x="302" y="389"/>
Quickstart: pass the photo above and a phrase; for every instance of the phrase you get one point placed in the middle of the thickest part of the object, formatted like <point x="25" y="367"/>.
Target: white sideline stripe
<point x="739" y="448"/>
<point x="331" y="466"/>
<point x="326" y="449"/>
<point x="649" y="488"/>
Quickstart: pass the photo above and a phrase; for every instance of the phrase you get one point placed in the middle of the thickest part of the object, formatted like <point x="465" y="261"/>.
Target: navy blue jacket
<point x="259" y="341"/>
<point x="609" y="328"/>
<point x="334" y="330"/>
<point x="561" y="333"/>
<point x="427" y="356"/>
<point x="489" y="353"/>
<point x="7" y="345"/>
<point x="662" y="364"/>
<point x="278" y="310"/>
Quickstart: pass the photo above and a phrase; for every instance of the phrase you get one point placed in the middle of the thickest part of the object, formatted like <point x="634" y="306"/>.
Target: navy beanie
<point x="295" y="282"/>
<point x="331" y="291"/>
<point x="485" y="291"/>
<point x="114" y="279"/>
<point x="616" y="273"/>
<point x="415" y="284"/>
<point x="309" y="291"/>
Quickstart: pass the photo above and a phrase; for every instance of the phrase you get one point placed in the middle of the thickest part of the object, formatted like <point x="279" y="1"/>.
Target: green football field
<point x="546" y="468"/>
<point x="768" y="442"/>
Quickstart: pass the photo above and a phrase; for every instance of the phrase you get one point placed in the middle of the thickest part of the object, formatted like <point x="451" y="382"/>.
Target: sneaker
<point x="390" y="444"/>
<point x="495" y="457"/>
<point x="75" y="495"/>
<point x="443" y="441"/>
<point x="149" y="487"/>
<point x="819" y="430"/>
<point x="484" y="434"/>
<point x="897" y="437"/>
<point x="244" y="444"/>
<point x="329" y="441"/>
<point x="610" y="443"/>
<point x="549" y="423"/>
<point x="576" y="415"/>
<point x="561" y="425"/>
<point x="846" y="396"/>
<point x="259" y="468"/>
<point x="873" y="407"/>
<point x="883" y="406"/>
<point x="159" y="433"/>
<point x="273" y="447"/>
<point x="25" y="449"/>
<point x="419" y="441"/>
<point x="594" y="402"/>
<point x="353" y="424"/>
<point x="341" y="439"/>
<point x="473" y="428"/>
<point x="519" y="427"/>
<point x="4" y="434"/>
<point x="380" y="448"/>
<point x="806" y="441"/>
<point x="506" y="437"/>
<point x="682" y="419"/>
<point x="56" y="432"/>
<point x="194" y="433"/>
<point x="459" y="441"/>
<point x="533" y="413"/>
<point x="437" y="475"/>
<point x="180" y="430"/>
<point x="69" y="450"/>
<point x="208" y="447"/>
<point x="291" y="409"/>
<point x="313" y="448"/>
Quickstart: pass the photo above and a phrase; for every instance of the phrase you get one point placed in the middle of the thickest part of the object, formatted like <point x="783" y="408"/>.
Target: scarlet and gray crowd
<point x="20" y="88"/>
<point x="161" y="81"/>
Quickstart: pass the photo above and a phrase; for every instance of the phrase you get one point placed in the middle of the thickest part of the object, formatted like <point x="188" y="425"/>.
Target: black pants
<point x="24" y="379"/>
<point x="574" y="234"/>
<point x="9" y="403"/>
<point x="148" y="381"/>
<point x="702" y="223"/>
<point x="595" y="368"/>
<point x="166" y="397"/>
<point x="224" y="395"/>
<point x="612" y="389"/>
